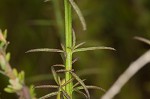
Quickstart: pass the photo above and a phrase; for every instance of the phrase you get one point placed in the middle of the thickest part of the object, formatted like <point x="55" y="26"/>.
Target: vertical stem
<point x="68" y="38"/>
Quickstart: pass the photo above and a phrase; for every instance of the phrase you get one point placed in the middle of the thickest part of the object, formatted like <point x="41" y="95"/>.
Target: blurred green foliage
<point x="36" y="24"/>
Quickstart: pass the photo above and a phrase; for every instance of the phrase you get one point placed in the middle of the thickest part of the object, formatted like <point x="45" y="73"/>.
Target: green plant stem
<point x="68" y="38"/>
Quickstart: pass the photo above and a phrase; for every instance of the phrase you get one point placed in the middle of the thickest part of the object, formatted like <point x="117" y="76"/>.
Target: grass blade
<point x="92" y="48"/>
<point x="80" y="44"/>
<point x="79" y="13"/>
<point x="91" y="87"/>
<point x="142" y="40"/>
<point x="49" y="95"/>
<point x="47" y="86"/>
<point x="82" y="83"/>
<point x="44" y="50"/>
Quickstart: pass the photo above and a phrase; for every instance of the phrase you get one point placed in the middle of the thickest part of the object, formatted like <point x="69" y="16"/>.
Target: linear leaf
<point x="44" y="50"/>
<point x="142" y="40"/>
<point x="63" y="56"/>
<point x="92" y="48"/>
<point x="59" y="95"/>
<point x="67" y="82"/>
<point x="59" y="81"/>
<point x="91" y="87"/>
<point x="47" y="86"/>
<point x="76" y="84"/>
<point x="79" y="13"/>
<point x="80" y="92"/>
<point x="59" y="65"/>
<point x="80" y="44"/>
<point x="55" y="75"/>
<point x="63" y="70"/>
<point x="76" y="59"/>
<point x="74" y="38"/>
<point x="49" y="95"/>
<point x="63" y="47"/>
<point x="82" y="83"/>
<point x="65" y="93"/>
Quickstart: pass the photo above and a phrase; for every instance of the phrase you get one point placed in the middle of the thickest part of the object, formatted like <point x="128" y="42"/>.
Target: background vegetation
<point x="36" y="24"/>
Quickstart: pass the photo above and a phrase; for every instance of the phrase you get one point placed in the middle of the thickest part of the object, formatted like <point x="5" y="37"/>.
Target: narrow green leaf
<point x="8" y="56"/>
<point x="63" y="56"/>
<point x="67" y="82"/>
<point x="44" y="50"/>
<point x="58" y="95"/>
<point x="65" y="93"/>
<point x="49" y="95"/>
<point x="9" y="90"/>
<point x="2" y="44"/>
<point x="6" y="45"/>
<point x="74" y="38"/>
<point x="142" y="40"/>
<point x="63" y="47"/>
<point x="5" y="33"/>
<point x="80" y="44"/>
<point x="82" y="83"/>
<point x="59" y="81"/>
<point x="2" y="63"/>
<point x="76" y="84"/>
<point x="82" y="93"/>
<point x="2" y="38"/>
<point x="76" y="59"/>
<point x="15" y="72"/>
<point x="59" y="65"/>
<point x="47" y="86"/>
<point x="55" y="75"/>
<point x="21" y="76"/>
<point x="91" y="87"/>
<point x="64" y="70"/>
<point x="92" y="48"/>
<point x="32" y="92"/>
<point x="79" y="13"/>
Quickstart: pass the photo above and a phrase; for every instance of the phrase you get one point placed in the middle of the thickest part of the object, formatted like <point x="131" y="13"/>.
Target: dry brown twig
<point x="130" y="71"/>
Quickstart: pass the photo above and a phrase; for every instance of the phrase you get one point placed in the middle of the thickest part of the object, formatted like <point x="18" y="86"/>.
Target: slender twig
<point x="122" y="80"/>
<point x="79" y="13"/>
